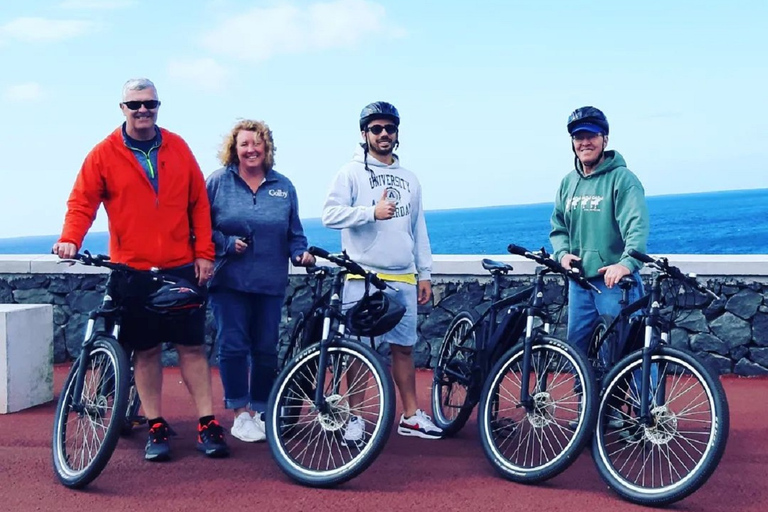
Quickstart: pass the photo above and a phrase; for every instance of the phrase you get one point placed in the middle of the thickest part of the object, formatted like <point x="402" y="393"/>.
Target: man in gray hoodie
<point x="377" y="206"/>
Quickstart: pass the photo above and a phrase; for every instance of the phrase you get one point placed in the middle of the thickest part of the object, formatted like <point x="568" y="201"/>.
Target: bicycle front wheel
<point x="668" y="458"/>
<point x="86" y="428"/>
<point x="457" y="381"/>
<point x="535" y="441"/>
<point x="317" y="446"/>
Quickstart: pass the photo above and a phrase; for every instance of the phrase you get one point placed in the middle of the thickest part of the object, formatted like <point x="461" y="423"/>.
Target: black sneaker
<point x="210" y="440"/>
<point x="158" y="449"/>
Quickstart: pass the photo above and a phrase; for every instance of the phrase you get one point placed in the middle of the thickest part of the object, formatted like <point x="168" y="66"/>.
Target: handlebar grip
<point x="516" y="249"/>
<point x="640" y="256"/>
<point x="317" y="251"/>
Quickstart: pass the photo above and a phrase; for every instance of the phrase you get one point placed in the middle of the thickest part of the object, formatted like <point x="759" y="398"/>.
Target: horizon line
<point x="541" y="203"/>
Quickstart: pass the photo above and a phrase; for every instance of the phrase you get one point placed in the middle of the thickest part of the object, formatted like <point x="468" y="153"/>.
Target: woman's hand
<point x="305" y="260"/>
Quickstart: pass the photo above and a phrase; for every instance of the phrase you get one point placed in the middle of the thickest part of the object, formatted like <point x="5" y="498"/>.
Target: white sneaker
<point x="245" y="429"/>
<point x="354" y="432"/>
<point x="261" y="425"/>
<point x="419" y="425"/>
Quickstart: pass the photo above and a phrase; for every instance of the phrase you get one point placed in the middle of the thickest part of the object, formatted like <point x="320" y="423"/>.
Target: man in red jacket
<point x="154" y="194"/>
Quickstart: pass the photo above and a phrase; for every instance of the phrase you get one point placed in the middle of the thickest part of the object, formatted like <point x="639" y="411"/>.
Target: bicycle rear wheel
<point x="669" y="459"/>
<point x="292" y="347"/>
<point x="86" y="428"/>
<point x="457" y="379"/>
<point x="309" y="443"/>
<point x="533" y="444"/>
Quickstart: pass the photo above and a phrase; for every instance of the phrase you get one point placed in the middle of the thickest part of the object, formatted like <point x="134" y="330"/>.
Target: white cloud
<point x="263" y="32"/>
<point x="205" y="73"/>
<point x="30" y="91"/>
<point x="44" y="29"/>
<point x="96" y="4"/>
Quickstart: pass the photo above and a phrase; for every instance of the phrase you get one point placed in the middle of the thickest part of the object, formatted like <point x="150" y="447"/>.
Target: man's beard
<point x="383" y="152"/>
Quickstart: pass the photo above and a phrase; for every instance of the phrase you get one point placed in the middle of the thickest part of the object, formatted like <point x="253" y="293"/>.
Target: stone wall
<point x="730" y="333"/>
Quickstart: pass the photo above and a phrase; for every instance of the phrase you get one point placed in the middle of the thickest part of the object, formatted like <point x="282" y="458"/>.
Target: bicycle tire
<point x="666" y="428"/>
<point x="457" y="356"/>
<point x="102" y="351"/>
<point x="293" y="345"/>
<point x="556" y="399"/>
<point x="597" y="340"/>
<point x="285" y="433"/>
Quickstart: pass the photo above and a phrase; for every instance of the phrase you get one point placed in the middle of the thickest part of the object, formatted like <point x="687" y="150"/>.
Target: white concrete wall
<point x="448" y="265"/>
<point x="26" y="356"/>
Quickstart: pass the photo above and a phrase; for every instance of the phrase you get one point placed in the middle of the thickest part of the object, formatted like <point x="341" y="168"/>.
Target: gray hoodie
<point x="399" y="245"/>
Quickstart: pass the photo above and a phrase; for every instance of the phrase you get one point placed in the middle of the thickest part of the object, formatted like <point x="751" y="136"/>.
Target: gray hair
<point x="138" y="84"/>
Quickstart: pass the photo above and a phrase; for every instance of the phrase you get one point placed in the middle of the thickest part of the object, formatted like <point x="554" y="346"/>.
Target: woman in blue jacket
<point x="256" y="230"/>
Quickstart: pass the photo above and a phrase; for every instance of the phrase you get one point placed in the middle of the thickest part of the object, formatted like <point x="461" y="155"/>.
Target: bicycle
<point x="672" y="409"/>
<point x="308" y="326"/>
<point x="323" y="387"/>
<point x="99" y="401"/>
<point x="534" y="388"/>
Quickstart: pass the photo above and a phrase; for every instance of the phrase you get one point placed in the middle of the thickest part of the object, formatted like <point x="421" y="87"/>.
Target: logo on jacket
<point x="587" y="203"/>
<point x="278" y="193"/>
<point x="393" y="195"/>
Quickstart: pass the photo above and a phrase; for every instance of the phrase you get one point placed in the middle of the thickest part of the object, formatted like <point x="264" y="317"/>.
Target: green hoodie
<point x="601" y="216"/>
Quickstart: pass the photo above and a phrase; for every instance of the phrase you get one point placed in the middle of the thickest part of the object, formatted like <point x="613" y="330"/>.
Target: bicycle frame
<point x="109" y="312"/>
<point x="333" y="328"/>
<point x="535" y="309"/>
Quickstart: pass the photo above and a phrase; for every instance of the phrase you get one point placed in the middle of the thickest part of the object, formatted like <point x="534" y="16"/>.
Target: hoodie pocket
<point x="593" y="260"/>
<point x="391" y="250"/>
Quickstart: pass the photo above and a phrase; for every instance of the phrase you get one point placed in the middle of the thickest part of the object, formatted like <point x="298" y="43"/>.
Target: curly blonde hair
<point x="228" y="152"/>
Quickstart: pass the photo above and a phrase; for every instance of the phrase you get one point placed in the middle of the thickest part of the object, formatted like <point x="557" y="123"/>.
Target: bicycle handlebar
<point x="102" y="260"/>
<point x="663" y="265"/>
<point x="543" y="258"/>
<point x="352" y="267"/>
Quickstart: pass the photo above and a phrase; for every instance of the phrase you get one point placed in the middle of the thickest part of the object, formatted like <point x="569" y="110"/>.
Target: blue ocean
<point x="732" y="222"/>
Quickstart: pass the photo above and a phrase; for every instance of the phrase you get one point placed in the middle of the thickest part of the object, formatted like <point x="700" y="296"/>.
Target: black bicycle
<point x="534" y="389"/>
<point x="308" y="325"/>
<point x="662" y="420"/>
<point x="99" y="400"/>
<point x="324" y="388"/>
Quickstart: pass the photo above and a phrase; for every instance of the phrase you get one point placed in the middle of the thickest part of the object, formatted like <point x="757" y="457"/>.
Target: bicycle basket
<point x="374" y="315"/>
<point x="176" y="299"/>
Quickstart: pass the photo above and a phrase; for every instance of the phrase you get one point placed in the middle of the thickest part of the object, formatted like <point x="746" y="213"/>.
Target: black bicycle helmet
<point x="374" y="315"/>
<point x="179" y="298"/>
<point x="379" y="110"/>
<point x="589" y="119"/>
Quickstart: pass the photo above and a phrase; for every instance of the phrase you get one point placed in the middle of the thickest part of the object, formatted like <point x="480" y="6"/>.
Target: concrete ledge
<point x="26" y="356"/>
<point x="444" y="264"/>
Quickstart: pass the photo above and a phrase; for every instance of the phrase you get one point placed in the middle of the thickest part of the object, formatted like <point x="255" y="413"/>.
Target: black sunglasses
<point x="136" y="105"/>
<point x="377" y="128"/>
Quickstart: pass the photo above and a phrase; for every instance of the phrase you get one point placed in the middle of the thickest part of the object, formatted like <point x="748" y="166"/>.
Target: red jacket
<point x="146" y="229"/>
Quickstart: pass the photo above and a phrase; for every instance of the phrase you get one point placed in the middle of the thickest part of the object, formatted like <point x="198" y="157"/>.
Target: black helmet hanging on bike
<point x="587" y="119"/>
<point x="379" y="110"/>
<point x="176" y="299"/>
<point x="374" y="315"/>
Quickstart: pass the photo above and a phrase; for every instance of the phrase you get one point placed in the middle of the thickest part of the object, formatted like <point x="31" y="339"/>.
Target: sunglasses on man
<point x="136" y="105"/>
<point x="376" y="129"/>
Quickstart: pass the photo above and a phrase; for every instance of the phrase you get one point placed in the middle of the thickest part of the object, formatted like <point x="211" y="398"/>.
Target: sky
<point x="484" y="90"/>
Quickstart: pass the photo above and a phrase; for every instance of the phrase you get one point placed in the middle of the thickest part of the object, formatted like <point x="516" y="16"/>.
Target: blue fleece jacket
<point x="269" y="217"/>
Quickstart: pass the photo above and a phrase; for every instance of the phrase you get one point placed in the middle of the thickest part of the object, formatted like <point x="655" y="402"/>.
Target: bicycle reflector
<point x="374" y="315"/>
<point x="179" y="298"/>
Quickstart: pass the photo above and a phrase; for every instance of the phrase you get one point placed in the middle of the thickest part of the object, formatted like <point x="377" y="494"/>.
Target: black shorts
<point x="142" y="329"/>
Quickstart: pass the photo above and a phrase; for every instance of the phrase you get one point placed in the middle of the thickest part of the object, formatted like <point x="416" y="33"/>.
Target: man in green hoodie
<point x="600" y="214"/>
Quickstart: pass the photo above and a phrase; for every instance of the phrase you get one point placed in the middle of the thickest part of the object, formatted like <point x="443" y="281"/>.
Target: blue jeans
<point x="586" y="306"/>
<point x="248" y="331"/>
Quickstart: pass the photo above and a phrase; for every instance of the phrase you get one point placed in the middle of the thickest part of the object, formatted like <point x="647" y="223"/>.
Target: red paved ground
<point x="411" y="474"/>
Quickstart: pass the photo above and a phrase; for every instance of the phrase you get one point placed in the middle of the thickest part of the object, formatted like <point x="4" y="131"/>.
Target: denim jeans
<point x="248" y="331"/>
<point x="586" y="306"/>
